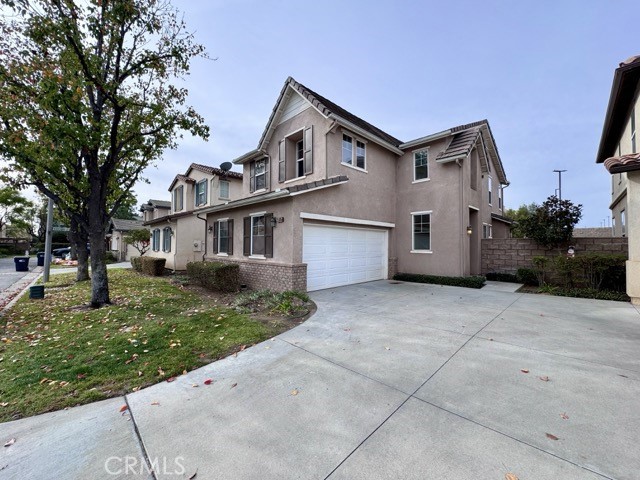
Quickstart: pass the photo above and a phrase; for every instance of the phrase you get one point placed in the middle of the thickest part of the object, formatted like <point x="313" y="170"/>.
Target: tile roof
<point x="502" y="218"/>
<point x="151" y="204"/>
<point x="461" y="145"/>
<point x="214" y="171"/>
<point x="126" y="225"/>
<point x="319" y="183"/>
<point x="623" y="163"/>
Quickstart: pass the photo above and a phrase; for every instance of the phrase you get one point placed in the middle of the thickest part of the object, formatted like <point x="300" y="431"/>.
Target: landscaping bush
<point x="527" y="276"/>
<point x="469" y="282"/>
<point x="287" y="303"/>
<point x="136" y="264"/>
<point x="589" y="293"/>
<point x="153" y="266"/>
<point x="502" y="277"/>
<point x="110" y="257"/>
<point x="541" y="265"/>
<point x="222" y="277"/>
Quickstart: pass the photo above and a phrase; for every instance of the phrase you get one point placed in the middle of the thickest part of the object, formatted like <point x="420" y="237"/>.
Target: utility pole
<point x="48" y="241"/>
<point x="559" y="172"/>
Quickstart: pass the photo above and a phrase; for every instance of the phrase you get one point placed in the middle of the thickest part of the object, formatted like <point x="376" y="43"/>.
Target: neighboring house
<point x="620" y="151"/>
<point x="119" y="229"/>
<point x="177" y="231"/>
<point x="329" y="199"/>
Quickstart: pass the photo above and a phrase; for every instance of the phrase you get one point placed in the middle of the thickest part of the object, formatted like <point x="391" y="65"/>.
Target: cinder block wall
<point x="278" y="277"/>
<point x="509" y="254"/>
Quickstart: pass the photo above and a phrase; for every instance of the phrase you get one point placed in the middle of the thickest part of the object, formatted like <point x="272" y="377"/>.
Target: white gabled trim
<point x="226" y="219"/>
<point x="315" y="189"/>
<point x="422" y="213"/>
<point x="428" y="138"/>
<point x="474" y="208"/>
<point x="295" y="179"/>
<point x="355" y="221"/>
<point x="257" y="214"/>
<point x="359" y="131"/>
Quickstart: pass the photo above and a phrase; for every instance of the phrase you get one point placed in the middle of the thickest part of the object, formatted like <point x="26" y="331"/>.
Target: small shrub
<point x="110" y="257"/>
<point x="153" y="266"/>
<point x="591" y="293"/>
<point x="136" y="264"/>
<point x="469" y="282"/>
<point x="502" y="277"/>
<point x="289" y="302"/>
<point x="222" y="277"/>
<point x="541" y="265"/>
<point x="527" y="276"/>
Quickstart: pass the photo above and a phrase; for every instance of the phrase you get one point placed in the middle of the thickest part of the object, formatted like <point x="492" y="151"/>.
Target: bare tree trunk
<point x="78" y="238"/>
<point x="99" y="279"/>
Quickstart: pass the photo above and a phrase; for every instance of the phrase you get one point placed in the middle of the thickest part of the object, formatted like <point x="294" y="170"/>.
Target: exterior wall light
<point x="274" y="222"/>
<point x="469" y="230"/>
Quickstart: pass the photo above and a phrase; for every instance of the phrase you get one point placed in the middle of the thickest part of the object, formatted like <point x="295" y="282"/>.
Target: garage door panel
<point x="341" y="255"/>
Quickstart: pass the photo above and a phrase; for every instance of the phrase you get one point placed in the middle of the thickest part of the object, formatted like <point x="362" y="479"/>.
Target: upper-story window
<point x="623" y="222"/>
<point x="500" y="197"/>
<point x="489" y="188"/>
<point x="201" y="192"/>
<point x="420" y="165"/>
<point x="295" y="155"/>
<point x="178" y="199"/>
<point x="354" y="152"/>
<point x="259" y="175"/>
<point x="223" y="186"/>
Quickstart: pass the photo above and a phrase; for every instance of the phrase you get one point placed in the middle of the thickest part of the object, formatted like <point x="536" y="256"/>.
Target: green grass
<point x="57" y="353"/>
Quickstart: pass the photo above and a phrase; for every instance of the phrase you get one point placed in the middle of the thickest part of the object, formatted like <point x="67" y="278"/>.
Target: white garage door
<point x="341" y="256"/>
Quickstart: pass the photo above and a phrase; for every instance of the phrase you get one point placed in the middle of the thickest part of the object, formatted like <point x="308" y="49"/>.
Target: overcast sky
<point x="539" y="71"/>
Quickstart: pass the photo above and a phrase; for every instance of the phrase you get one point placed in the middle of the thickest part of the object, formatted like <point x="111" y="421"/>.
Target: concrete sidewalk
<point x="384" y="381"/>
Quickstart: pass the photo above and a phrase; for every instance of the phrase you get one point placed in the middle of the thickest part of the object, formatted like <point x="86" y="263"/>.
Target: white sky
<point x="540" y="72"/>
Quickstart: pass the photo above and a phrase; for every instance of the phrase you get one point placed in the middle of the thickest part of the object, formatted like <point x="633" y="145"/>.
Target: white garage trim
<point x="353" y="221"/>
<point x="343" y="255"/>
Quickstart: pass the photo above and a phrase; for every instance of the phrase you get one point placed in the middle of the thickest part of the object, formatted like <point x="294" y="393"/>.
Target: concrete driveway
<point x="387" y="380"/>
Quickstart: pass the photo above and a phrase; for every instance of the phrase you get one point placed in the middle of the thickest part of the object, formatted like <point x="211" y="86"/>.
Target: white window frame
<point x="263" y="174"/>
<point x="634" y="145"/>
<point x="253" y="216"/>
<point x="155" y="240"/>
<point x="299" y="160"/>
<point x="219" y="249"/>
<point x="489" y="188"/>
<point x="487" y="230"/>
<point x="500" y="197"/>
<point x="228" y="184"/>
<point x="413" y="245"/>
<point x="414" y="153"/>
<point x="196" y="194"/>
<point x="354" y="152"/>
<point x="623" y="222"/>
<point x="181" y="197"/>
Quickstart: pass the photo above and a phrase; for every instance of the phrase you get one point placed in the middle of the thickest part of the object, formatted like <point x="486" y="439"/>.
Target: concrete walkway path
<point x="386" y="380"/>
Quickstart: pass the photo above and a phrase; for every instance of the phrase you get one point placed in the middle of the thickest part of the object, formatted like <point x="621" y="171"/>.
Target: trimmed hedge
<point x="153" y="266"/>
<point x="222" y="277"/>
<point x="590" y="293"/>
<point x="527" y="276"/>
<point x="502" y="277"/>
<point x="469" y="282"/>
<point x="136" y="264"/>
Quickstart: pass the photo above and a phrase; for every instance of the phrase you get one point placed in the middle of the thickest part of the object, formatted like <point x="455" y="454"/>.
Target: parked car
<point x="61" y="252"/>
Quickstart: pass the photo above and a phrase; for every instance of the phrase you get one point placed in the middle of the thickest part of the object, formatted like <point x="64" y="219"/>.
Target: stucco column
<point x="633" y="232"/>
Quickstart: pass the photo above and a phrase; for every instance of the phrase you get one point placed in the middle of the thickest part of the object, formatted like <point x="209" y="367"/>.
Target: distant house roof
<point x="623" y="163"/>
<point x="206" y="169"/>
<point x="126" y="225"/>
<point x="502" y="218"/>
<point x="592" y="232"/>
<point x="626" y="81"/>
<point x="151" y="204"/>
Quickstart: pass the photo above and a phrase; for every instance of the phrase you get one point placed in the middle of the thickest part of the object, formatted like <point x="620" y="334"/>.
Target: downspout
<point x="205" y="235"/>
<point x="463" y="230"/>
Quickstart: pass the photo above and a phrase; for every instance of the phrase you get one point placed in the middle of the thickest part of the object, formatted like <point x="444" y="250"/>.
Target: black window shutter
<point x="308" y="150"/>
<point x="246" y="244"/>
<point x="268" y="236"/>
<point x="216" y="226"/>
<point x="230" y="241"/>
<point x="252" y="175"/>
<point x="281" y="162"/>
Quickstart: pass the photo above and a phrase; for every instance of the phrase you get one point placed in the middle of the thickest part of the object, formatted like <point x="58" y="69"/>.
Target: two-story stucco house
<point x="329" y="199"/>
<point x="178" y="232"/>
<point x="620" y="151"/>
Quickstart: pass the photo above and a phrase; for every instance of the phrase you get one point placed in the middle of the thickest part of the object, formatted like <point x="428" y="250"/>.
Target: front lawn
<point x="56" y="352"/>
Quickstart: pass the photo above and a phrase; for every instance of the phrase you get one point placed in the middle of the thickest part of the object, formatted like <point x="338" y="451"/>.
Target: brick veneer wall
<point x="509" y="254"/>
<point x="261" y="274"/>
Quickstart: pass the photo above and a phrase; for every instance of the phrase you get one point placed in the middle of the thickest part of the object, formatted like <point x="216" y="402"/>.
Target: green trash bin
<point x="37" y="291"/>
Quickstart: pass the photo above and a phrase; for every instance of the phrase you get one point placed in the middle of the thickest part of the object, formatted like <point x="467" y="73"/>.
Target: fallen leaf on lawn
<point x="294" y="392"/>
<point x="80" y="376"/>
<point x="552" y="437"/>
<point x="184" y="372"/>
<point x="243" y="347"/>
<point x="170" y="379"/>
<point x="208" y="381"/>
<point x="4" y="404"/>
<point x="123" y="408"/>
<point x="160" y="372"/>
<point x="524" y="370"/>
<point x="139" y="373"/>
<point x="155" y="403"/>
<point x="564" y="416"/>
<point x="44" y="380"/>
<point x="544" y="379"/>
<point x="510" y="476"/>
<point x="234" y="385"/>
<point x="8" y="443"/>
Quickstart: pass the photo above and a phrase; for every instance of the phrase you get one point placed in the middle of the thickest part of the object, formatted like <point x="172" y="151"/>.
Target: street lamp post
<point x="559" y="172"/>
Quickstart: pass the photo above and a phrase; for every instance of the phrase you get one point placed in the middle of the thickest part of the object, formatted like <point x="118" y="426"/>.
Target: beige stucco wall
<point x="119" y="248"/>
<point x="633" y="226"/>
<point x="187" y="230"/>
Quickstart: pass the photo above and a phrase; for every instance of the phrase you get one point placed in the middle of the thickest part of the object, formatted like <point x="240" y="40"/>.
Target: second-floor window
<point x="295" y="155"/>
<point x="420" y="165"/>
<point x="354" y="152"/>
<point x="259" y="175"/>
<point x="633" y="131"/>
<point x="490" y="186"/>
<point x="224" y="189"/>
<point x="623" y="222"/>
<point x="201" y="192"/>
<point x="178" y="195"/>
<point x="500" y="197"/>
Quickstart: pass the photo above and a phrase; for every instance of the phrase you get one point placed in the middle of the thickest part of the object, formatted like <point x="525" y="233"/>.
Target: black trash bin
<point x="40" y="256"/>
<point x="22" y="264"/>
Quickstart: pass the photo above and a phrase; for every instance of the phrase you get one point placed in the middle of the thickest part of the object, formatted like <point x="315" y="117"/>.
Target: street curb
<point x="17" y="296"/>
